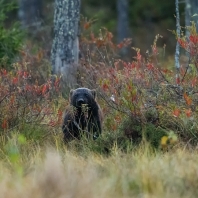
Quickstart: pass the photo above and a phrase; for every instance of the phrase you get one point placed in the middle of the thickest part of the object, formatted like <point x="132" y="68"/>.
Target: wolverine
<point x="82" y="116"/>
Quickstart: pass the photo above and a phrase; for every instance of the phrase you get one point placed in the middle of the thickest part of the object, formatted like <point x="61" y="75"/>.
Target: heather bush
<point x="144" y="97"/>
<point x="27" y="103"/>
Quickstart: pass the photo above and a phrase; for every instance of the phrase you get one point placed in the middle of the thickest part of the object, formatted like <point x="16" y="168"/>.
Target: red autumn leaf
<point x="187" y="99"/>
<point x="129" y="87"/>
<point x="194" y="81"/>
<point x="57" y="82"/>
<point x="12" y="99"/>
<point x="194" y="39"/>
<point x="188" y="112"/>
<point x="134" y="98"/>
<point x="120" y="45"/>
<point x="4" y="124"/>
<point x="133" y="65"/>
<point x="176" y="113"/>
<point x="150" y="66"/>
<point x="37" y="89"/>
<point x="25" y="75"/>
<point x="60" y="115"/>
<point x="166" y="71"/>
<point x="183" y="43"/>
<point x="15" y="80"/>
<point x="28" y="88"/>
<point x="44" y="89"/>
<point x="87" y="25"/>
<point x="178" y="81"/>
<point x="100" y="42"/>
<point x="105" y="87"/>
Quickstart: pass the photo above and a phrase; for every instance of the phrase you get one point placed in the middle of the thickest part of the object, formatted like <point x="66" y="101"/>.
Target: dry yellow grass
<point x="63" y="174"/>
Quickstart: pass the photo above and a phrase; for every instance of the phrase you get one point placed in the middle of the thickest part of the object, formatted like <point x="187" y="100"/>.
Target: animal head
<point x="82" y="96"/>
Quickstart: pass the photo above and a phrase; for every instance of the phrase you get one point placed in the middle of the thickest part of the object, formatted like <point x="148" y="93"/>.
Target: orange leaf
<point x="194" y="81"/>
<point x="15" y="80"/>
<point x="178" y="80"/>
<point x="120" y="45"/>
<point x="57" y="82"/>
<point x="100" y="42"/>
<point x="12" y="99"/>
<point x="87" y="25"/>
<point x="150" y="66"/>
<point x="176" y="113"/>
<point x="105" y="87"/>
<point x="4" y="124"/>
<point x="188" y="112"/>
<point x="187" y="99"/>
<point x="44" y="89"/>
<point x="193" y="39"/>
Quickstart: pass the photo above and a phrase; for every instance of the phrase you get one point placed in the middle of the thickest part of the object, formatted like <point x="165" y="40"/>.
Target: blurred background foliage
<point x="146" y="19"/>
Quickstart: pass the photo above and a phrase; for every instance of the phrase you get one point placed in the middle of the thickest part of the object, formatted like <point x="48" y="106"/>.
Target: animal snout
<point x="80" y="101"/>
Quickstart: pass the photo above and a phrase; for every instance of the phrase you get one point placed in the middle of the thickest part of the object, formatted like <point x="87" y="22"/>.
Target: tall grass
<point x="41" y="171"/>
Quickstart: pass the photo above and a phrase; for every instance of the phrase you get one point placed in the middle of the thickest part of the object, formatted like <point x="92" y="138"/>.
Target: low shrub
<point x="144" y="93"/>
<point x="28" y="105"/>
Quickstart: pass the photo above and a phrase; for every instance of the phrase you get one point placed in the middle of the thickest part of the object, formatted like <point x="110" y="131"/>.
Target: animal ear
<point x="93" y="92"/>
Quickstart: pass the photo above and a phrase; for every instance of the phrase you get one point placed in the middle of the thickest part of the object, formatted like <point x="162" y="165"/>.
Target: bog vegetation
<point x="149" y="143"/>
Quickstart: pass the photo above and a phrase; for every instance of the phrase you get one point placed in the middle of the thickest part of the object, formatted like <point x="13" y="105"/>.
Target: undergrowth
<point x="143" y="93"/>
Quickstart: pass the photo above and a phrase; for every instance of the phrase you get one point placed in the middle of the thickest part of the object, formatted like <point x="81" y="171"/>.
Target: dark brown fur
<point x="83" y="115"/>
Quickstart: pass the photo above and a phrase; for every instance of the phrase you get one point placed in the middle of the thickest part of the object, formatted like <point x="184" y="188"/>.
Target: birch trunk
<point x="65" y="47"/>
<point x="177" y="51"/>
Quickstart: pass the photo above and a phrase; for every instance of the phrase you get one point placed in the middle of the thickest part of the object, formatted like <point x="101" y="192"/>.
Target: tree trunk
<point x="187" y="15"/>
<point x="65" y="47"/>
<point x="123" y="22"/>
<point x="191" y="8"/>
<point x="194" y="10"/>
<point x="30" y="13"/>
<point x="177" y="50"/>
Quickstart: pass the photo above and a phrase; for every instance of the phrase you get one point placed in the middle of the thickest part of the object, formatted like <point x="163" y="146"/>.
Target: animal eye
<point x="86" y="95"/>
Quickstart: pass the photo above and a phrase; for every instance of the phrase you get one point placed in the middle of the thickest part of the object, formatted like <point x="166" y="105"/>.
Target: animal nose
<point x="80" y="102"/>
